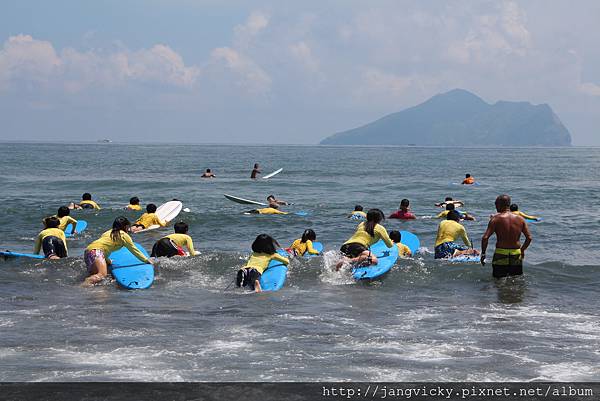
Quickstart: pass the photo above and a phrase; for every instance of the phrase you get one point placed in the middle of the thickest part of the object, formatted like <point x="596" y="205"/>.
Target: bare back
<point x="508" y="228"/>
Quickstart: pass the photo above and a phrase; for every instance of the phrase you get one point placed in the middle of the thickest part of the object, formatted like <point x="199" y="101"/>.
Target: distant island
<point x="461" y="118"/>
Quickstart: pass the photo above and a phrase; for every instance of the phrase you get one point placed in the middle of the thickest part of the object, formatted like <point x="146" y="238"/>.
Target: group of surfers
<point x="254" y="174"/>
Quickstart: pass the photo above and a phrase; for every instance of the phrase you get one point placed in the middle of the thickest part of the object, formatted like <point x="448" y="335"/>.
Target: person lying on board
<point x="208" y="174"/>
<point x="86" y="203"/>
<point x="450" y="207"/>
<point x="404" y="213"/>
<point x="63" y="216"/>
<point x="468" y="180"/>
<point x="304" y="244"/>
<point x="271" y="209"/>
<point x="514" y="208"/>
<point x="449" y="231"/>
<point x="264" y="249"/>
<point x="403" y="250"/>
<point x="449" y="199"/>
<point x="358" y="213"/>
<point x="51" y="240"/>
<point x="150" y="218"/>
<point x="173" y="244"/>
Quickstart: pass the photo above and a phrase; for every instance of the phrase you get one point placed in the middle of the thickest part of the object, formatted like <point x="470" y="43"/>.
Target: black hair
<point x="255" y="165"/>
<point x="134" y="201"/>
<point x="270" y="196"/>
<point x="453" y="215"/>
<point x="308" y="234"/>
<point x="448" y="198"/>
<point x="404" y="202"/>
<point x="86" y="196"/>
<point x="181" y="227"/>
<point x="503" y="201"/>
<point x="467" y="175"/>
<point x="450" y="206"/>
<point x="514" y="207"/>
<point x="51" y="222"/>
<point x="265" y="244"/>
<point x="358" y="208"/>
<point x="120" y="224"/>
<point x="374" y="216"/>
<point x="395" y="236"/>
<point x="63" y="211"/>
<point x="208" y="170"/>
<point x="151" y="208"/>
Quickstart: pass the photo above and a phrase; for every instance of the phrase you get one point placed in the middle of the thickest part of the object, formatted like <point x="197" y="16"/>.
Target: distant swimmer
<point x="457" y="203"/>
<point x="208" y="174"/>
<point x="264" y="249"/>
<point x="304" y="244"/>
<point x="150" y="218"/>
<point x="356" y="249"/>
<point x="86" y="203"/>
<point x="403" y="250"/>
<point x="514" y="208"/>
<point x="134" y="204"/>
<point x="97" y="253"/>
<point x="174" y="244"/>
<point x="358" y="213"/>
<point x="450" y="207"/>
<point x="63" y="216"/>
<point x="468" y="180"/>
<point x="51" y="240"/>
<point x="404" y="212"/>
<point x="255" y="171"/>
<point x="508" y="227"/>
<point x="448" y="232"/>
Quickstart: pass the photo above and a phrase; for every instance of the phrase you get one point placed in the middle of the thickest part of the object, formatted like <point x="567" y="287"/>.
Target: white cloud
<point x="302" y="53"/>
<point x="24" y="58"/>
<point x="248" y="75"/>
<point x="245" y="34"/>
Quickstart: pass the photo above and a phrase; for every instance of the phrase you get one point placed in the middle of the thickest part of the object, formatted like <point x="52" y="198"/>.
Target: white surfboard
<point x="167" y="212"/>
<point x="272" y="174"/>
<point x="243" y="201"/>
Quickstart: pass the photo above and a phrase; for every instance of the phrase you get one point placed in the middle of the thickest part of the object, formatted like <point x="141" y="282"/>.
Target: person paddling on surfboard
<point x="304" y="244"/>
<point x="264" y="249"/>
<point x="63" y="215"/>
<point x="468" y="180"/>
<point x="450" y="207"/>
<point x="514" y="208"/>
<point x="457" y="203"/>
<point x="357" y="213"/>
<point x="208" y="174"/>
<point x="134" y="204"/>
<point x="148" y="219"/>
<point x="255" y="171"/>
<point x="86" y="203"/>
<point x="51" y="240"/>
<point x="356" y="249"/>
<point x="403" y="250"/>
<point x="448" y="232"/>
<point x="404" y="212"/>
<point x="96" y="253"/>
<point x="272" y="209"/>
<point x="173" y="244"/>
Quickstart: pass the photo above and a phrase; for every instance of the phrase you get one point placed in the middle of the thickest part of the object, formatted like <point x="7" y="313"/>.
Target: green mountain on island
<point x="461" y="118"/>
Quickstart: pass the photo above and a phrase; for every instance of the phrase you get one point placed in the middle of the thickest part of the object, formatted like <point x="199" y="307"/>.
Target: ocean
<point x="426" y="320"/>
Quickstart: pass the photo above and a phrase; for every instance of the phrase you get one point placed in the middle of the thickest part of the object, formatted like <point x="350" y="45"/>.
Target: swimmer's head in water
<point x="395" y="236"/>
<point x="467" y="175"/>
<point x="448" y="199"/>
<point x="63" y="211"/>
<point x="404" y="203"/>
<point x="308" y="234"/>
<point x="453" y="215"/>
<point x="358" y="208"/>
<point x="514" y="207"/>
<point x="134" y="201"/>
<point x="502" y="203"/>
<point x="208" y="170"/>
<point x="51" y="222"/>
<point x="271" y="198"/>
<point x="86" y="196"/>
<point x="151" y="208"/>
<point x="264" y="244"/>
<point x="181" y="227"/>
<point x="255" y="165"/>
<point x="450" y="206"/>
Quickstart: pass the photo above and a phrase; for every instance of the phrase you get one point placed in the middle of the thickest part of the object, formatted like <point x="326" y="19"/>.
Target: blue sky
<point x="283" y="72"/>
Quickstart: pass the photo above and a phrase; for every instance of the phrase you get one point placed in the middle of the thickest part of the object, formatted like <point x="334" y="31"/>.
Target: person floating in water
<point x="274" y="202"/>
<point x="508" y="227"/>
<point x="404" y="213"/>
<point x="150" y="218"/>
<point x="356" y="249"/>
<point x="173" y="244"/>
<point x="450" y="207"/>
<point x="63" y="215"/>
<point x="208" y="174"/>
<point x="255" y="171"/>
<point x="134" y="204"/>
<point x="304" y="244"/>
<point x="457" y="203"/>
<point x="51" y="240"/>
<point x="403" y="250"/>
<point x="514" y="208"/>
<point x="358" y="213"/>
<point x="97" y="253"/>
<point x="264" y="249"/>
<point x="468" y="180"/>
<point x="86" y="203"/>
<point x="271" y="209"/>
<point x="448" y="232"/>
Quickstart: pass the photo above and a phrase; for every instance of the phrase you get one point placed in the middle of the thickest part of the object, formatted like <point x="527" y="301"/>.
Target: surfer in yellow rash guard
<point x="86" y="203"/>
<point x="448" y="232"/>
<point x="173" y="244"/>
<point x="356" y="249"/>
<point x="302" y="245"/>
<point x="272" y="209"/>
<point x="264" y="249"/>
<point x="514" y="208"/>
<point x="96" y="254"/>
<point x="134" y="204"/>
<point x="358" y="213"/>
<point x="403" y="250"/>
<point x="63" y="216"/>
<point x="52" y="240"/>
<point x="150" y="218"/>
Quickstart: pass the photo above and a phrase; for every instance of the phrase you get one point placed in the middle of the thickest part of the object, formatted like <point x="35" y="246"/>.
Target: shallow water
<point x="426" y="320"/>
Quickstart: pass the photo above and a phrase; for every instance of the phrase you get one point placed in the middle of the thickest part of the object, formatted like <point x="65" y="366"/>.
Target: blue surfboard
<point x="411" y="241"/>
<point x="301" y="213"/>
<point x="318" y="247"/>
<point x="533" y="220"/>
<point x="81" y="225"/>
<point x="129" y="271"/>
<point x="386" y="257"/>
<point x="274" y="276"/>
<point x="9" y="254"/>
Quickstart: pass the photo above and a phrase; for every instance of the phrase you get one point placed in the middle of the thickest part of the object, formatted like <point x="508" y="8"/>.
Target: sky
<point x="272" y="71"/>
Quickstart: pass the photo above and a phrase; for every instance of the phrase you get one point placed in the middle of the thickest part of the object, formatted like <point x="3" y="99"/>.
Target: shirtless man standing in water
<point x="508" y="227"/>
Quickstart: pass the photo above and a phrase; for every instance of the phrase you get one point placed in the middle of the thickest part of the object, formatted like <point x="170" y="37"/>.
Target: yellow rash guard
<point x="403" y="250"/>
<point x="90" y="202"/>
<point x="449" y="231"/>
<point x="364" y="238"/>
<point x="133" y="207"/>
<point x="49" y="232"/>
<point x="260" y="261"/>
<point x="65" y="221"/>
<point x="150" y="219"/>
<point x="359" y="213"/>
<point x="523" y="215"/>
<point x="183" y="240"/>
<point x="107" y="245"/>
<point x="300" y="248"/>
<point x="270" y="210"/>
